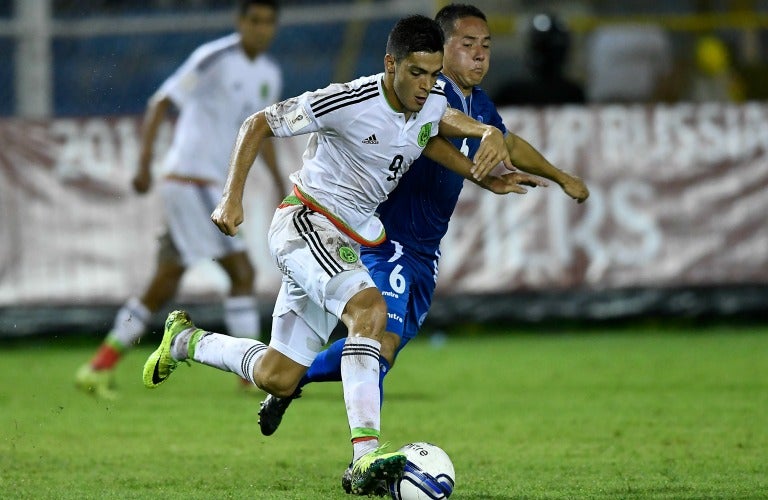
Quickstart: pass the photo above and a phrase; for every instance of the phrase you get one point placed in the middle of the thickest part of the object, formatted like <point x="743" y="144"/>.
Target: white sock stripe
<point x="358" y="348"/>
<point x="360" y="352"/>
<point x="348" y="345"/>
<point x="251" y="353"/>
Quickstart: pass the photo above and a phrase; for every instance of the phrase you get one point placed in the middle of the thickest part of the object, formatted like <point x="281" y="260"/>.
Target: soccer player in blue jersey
<point x="404" y="267"/>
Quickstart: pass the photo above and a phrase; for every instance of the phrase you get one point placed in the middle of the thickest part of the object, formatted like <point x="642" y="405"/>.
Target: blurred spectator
<point x="547" y="46"/>
<point x="627" y="64"/>
<point x="713" y="78"/>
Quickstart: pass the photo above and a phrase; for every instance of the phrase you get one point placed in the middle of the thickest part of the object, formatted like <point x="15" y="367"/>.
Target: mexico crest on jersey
<point x="424" y="134"/>
<point x="348" y="255"/>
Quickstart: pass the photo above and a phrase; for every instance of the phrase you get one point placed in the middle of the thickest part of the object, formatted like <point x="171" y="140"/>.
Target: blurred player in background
<point x="365" y="135"/>
<point x="417" y="212"/>
<point x="223" y="82"/>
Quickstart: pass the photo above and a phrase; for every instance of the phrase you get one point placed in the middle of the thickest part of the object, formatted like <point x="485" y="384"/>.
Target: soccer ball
<point x="429" y="474"/>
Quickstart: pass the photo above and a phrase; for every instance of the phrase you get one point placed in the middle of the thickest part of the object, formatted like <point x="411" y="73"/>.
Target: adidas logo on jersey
<point x="371" y="140"/>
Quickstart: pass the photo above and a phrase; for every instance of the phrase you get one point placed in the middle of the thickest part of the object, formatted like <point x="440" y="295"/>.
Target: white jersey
<point x="359" y="149"/>
<point x="216" y="89"/>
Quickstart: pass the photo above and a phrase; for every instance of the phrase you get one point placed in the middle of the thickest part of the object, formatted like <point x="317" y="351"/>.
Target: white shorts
<point x="188" y="208"/>
<point x="321" y="269"/>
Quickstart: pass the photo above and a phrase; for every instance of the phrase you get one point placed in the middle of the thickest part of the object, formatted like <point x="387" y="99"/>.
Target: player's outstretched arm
<point x="526" y="158"/>
<point x="440" y="150"/>
<point x="229" y="212"/>
<point x="493" y="149"/>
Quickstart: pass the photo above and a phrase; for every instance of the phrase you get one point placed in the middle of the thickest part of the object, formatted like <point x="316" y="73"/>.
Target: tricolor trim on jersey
<point x="346" y="98"/>
<point x="309" y="202"/>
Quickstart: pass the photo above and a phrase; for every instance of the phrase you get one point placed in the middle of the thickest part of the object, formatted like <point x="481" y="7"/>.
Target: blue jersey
<point x="415" y="217"/>
<point x="417" y="212"/>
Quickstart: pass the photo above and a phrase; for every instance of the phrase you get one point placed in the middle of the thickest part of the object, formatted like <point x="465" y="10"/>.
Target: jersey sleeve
<point x="488" y="109"/>
<point x="182" y="85"/>
<point x="442" y="108"/>
<point x="495" y="119"/>
<point x="297" y="115"/>
<point x="291" y="117"/>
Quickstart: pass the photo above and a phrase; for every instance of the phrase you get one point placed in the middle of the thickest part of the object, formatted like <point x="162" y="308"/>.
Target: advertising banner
<point x="678" y="198"/>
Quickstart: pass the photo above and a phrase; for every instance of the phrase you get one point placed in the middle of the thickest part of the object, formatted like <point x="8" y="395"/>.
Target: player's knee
<point x="275" y="384"/>
<point x="366" y="314"/>
<point x="378" y="314"/>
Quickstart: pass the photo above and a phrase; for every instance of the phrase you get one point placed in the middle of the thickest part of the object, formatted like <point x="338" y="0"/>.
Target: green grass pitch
<point x="648" y="412"/>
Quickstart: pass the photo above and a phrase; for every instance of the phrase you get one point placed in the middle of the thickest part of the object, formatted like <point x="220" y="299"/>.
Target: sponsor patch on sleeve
<point x="297" y="119"/>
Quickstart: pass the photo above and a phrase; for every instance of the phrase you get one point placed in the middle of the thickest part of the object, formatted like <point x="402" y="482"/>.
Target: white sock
<point x="180" y="343"/>
<point x="130" y="323"/>
<point x="360" y="448"/>
<point x="241" y="315"/>
<point x="360" y="379"/>
<point x="220" y="351"/>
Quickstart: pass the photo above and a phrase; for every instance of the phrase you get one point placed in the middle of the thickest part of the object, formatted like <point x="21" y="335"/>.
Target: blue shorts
<point x="407" y="282"/>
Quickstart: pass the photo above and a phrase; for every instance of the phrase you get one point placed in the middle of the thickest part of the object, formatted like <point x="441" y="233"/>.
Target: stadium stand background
<point x="107" y="57"/>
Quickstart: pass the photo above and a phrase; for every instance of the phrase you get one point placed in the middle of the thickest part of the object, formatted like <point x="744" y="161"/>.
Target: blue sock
<point x="383" y="370"/>
<point x="327" y="365"/>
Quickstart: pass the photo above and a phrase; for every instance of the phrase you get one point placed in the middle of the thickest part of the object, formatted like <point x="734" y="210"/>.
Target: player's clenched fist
<point x="227" y="216"/>
<point x="576" y="189"/>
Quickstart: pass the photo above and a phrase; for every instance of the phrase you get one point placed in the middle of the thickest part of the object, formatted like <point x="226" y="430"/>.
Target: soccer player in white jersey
<point x="221" y="83"/>
<point x="364" y="135"/>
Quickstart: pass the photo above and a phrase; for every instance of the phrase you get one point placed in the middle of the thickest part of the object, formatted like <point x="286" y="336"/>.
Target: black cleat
<point x="272" y="411"/>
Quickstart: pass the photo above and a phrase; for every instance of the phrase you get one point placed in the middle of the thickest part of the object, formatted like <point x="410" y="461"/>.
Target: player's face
<point x="468" y="52"/>
<point x="414" y="77"/>
<point x="257" y="28"/>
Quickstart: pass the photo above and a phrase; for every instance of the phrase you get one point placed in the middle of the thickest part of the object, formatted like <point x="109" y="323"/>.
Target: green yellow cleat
<point x="379" y="490"/>
<point x="367" y="473"/>
<point x="99" y="383"/>
<point x="160" y="364"/>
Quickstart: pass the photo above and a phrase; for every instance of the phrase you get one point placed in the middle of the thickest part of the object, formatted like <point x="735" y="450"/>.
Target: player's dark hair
<point x="448" y="15"/>
<point x="415" y="33"/>
<point x="242" y="5"/>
